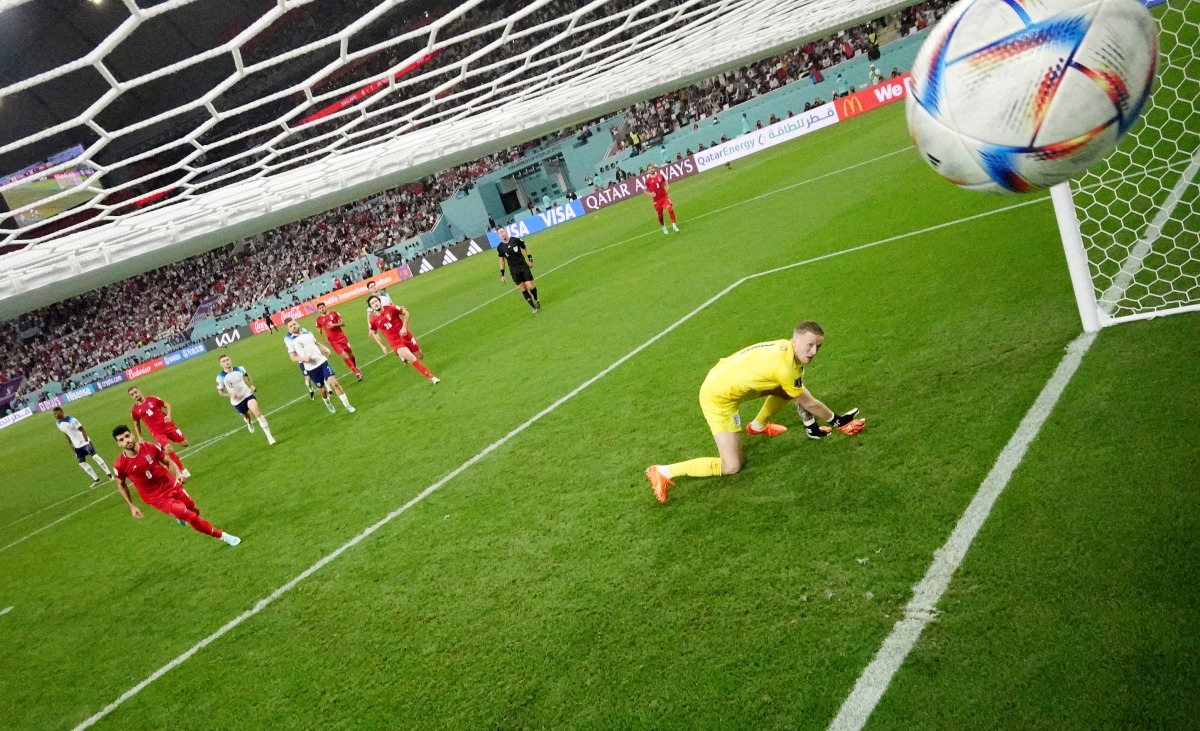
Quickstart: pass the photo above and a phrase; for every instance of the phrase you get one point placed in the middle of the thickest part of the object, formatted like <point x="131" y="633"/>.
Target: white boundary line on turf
<point x="27" y="536"/>
<point x="51" y="505"/>
<point x="5" y="611"/>
<point x="922" y="608"/>
<point x="270" y="599"/>
<point x="213" y="440"/>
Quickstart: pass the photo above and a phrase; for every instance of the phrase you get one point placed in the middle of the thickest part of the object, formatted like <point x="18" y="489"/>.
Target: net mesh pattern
<point x="1139" y="210"/>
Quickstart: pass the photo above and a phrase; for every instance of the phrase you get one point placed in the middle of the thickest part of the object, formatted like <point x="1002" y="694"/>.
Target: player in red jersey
<point x="393" y="321"/>
<point x="159" y="483"/>
<point x="331" y="324"/>
<point x="656" y="187"/>
<point x="157" y="415"/>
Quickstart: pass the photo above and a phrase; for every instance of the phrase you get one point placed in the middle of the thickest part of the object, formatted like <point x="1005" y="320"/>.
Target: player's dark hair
<point x="130" y="389"/>
<point x="808" y="326"/>
<point x="374" y="297"/>
<point x="287" y="320"/>
<point x="119" y="430"/>
<point x="320" y="304"/>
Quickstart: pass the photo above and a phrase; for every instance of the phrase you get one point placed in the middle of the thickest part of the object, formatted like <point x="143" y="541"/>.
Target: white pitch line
<point x="922" y="609"/>
<point x="4" y="611"/>
<point x="270" y="599"/>
<point x="51" y="525"/>
<point x="42" y="510"/>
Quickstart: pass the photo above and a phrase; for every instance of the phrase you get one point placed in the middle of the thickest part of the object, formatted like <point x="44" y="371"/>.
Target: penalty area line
<point x="922" y="608"/>
<point x="277" y="593"/>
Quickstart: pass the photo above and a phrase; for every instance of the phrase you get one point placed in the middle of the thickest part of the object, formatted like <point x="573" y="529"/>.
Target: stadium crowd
<point x="651" y="120"/>
<point x="55" y="342"/>
<point x="58" y="341"/>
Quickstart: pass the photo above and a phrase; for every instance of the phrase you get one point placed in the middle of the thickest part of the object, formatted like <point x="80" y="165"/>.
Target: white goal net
<point x="308" y="104"/>
<point x="1136" y="253"/>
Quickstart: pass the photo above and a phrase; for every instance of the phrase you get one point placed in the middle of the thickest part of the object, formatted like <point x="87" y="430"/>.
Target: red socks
<point x="203" y="526"/>
<point x="175" y="458"/>
<point x="422" y="369"/>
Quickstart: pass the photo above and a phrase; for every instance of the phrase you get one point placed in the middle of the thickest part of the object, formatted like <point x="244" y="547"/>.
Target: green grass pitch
<point x="543" y="586"/>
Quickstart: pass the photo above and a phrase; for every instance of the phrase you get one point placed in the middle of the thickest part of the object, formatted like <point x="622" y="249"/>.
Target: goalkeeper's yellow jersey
<point x="755" y="371"/>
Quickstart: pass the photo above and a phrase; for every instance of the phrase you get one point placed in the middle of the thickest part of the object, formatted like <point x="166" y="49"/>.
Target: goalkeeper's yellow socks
<point x="700" y="467"/>
<point x="769" y="408"/>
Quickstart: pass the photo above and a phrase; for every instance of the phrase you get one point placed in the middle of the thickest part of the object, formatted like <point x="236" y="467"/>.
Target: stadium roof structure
<point x="205" y="121"/>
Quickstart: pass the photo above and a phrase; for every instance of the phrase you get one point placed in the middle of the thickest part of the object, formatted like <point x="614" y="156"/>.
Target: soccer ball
<point x="1014" y="95"/>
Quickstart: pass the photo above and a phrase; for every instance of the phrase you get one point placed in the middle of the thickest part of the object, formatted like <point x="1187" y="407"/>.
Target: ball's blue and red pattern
<point x="1013" y="95"/>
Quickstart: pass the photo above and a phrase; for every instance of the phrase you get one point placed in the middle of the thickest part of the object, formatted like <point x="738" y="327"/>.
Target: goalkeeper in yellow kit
<point x="774" y="369"/>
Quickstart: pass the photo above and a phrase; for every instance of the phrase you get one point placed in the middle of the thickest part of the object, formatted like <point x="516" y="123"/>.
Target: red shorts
<point x="340" y="346"/>
<point x="408" y="341"/>
<point x="170" y="435"/>
<point x="661" y="203"/>
<point x="174" y="501"/>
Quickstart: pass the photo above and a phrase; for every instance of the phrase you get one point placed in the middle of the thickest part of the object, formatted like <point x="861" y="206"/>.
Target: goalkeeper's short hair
<point x="808" y="326"/>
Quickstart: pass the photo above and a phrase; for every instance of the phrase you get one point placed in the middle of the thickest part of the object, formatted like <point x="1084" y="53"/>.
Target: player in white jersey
<point x="234" y="383"/>
<point x="79" y="440"/>
<point x="304" y="349"/>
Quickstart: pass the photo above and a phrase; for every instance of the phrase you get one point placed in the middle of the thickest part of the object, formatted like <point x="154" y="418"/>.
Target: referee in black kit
<point x="510" y="250"/>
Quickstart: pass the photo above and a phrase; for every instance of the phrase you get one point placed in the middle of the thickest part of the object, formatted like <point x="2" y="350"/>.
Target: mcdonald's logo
<point x="851" y="105"/>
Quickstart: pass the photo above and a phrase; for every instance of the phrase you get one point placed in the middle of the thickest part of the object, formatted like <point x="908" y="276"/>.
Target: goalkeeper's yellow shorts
<point x="720" y="413"/>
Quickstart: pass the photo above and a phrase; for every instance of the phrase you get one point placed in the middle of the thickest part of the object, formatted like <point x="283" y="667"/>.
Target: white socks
<point x="88" y="469"/>
<point x="100" y="461"/>
<point x="663" y="470"/>
<point x="345" y="401"/>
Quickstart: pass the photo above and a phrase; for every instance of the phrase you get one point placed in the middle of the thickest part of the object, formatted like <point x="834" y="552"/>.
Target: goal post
<point x="1130" y="225"/>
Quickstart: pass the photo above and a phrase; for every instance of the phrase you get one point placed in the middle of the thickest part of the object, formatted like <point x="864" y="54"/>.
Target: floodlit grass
<point x="543" y="587"/>
<point x="1076" y="608"/>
